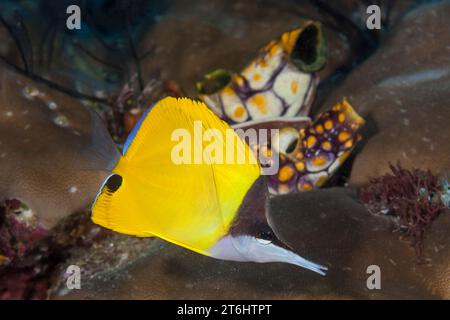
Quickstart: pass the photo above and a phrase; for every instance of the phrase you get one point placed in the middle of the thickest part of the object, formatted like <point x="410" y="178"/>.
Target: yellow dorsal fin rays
<point x="191" y="205"/>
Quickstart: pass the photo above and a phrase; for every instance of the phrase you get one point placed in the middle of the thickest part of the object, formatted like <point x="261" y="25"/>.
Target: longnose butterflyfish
<point x="279" y="82"/>
<point x="215" y="208"/>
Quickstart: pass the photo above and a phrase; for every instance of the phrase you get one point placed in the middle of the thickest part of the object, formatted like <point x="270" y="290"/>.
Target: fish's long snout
<point x="251" y="249"/>
<point x="293" y="258"/>
<point x="277" y="251"/>
<point x="287" y="255"/>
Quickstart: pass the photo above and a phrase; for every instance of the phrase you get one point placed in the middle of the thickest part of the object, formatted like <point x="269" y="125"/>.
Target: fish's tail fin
<point x="101" y="146"/>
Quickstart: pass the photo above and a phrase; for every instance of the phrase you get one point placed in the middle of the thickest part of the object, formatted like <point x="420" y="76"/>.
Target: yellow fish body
<point x="214" y="208"/>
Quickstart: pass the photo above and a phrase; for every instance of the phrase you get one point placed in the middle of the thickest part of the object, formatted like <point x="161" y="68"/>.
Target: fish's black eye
<point x="114" y="182"/>
<point x="266" y="235"/>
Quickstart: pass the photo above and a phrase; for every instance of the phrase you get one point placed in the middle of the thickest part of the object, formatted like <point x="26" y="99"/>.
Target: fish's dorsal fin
<point x="133" y="132"/>
<point x="162" y="189"/>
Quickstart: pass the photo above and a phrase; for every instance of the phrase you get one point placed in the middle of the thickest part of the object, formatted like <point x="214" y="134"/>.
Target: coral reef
<point x="402" y="91"/>
<point x="34" y="261"/>
<point x="49" y="174"/>
<point x="55" y="152"/>
<point x="329" y="225"/>
<point x="19" y="231"/>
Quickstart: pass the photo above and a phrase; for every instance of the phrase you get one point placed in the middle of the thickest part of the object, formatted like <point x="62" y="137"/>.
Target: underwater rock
<point x="91" y="59"/>
<point x="37" y="262"/>
<point x="54" y="153"/>
<point x="8" y="51"/>
<point x="105" y="255"/>
<point x="335" y="228"/>
<point x="403" y="92"/>
<point x="191" y="39"/>
<point x="19" y="231"/>
<point x="326" y="226"/>
<point x="31" y="252"/>
<point x="356" y="11"/>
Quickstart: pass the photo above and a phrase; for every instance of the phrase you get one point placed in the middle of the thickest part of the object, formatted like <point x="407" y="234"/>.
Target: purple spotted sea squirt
<point x="276" y="90"/>
<point x="280" y="82"/>
<point x="310" y="156"/>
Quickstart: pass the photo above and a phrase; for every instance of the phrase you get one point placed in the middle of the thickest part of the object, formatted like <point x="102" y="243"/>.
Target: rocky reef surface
<point x="396" y="78"/>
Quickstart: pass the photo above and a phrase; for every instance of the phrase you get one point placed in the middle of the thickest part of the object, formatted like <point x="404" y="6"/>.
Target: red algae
<point x="412" y="196"/>
<point x="19" y="231"/>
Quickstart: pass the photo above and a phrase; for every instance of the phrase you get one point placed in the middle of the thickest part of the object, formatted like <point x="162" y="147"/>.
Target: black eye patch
<point x="114" y="182"/>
